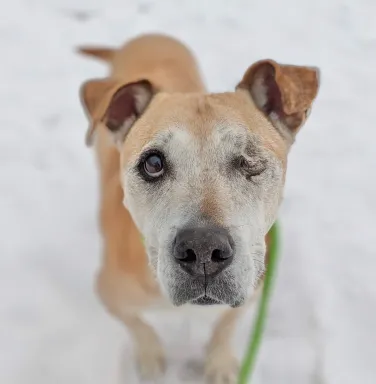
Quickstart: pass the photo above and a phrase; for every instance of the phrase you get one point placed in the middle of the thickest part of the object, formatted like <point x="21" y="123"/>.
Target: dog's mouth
<point x="228" y="288"/>
<point x="196" y="293"/>
<point x="205" y="300"/>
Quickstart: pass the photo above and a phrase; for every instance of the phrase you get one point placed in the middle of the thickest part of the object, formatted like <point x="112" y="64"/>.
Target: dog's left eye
<point x="153" y="165"/>
<point x="250" y="168"/>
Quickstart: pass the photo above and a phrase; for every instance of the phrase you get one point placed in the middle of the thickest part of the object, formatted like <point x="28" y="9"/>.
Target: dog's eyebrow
<point x="162" y="138"/>
<point x="236" y="139"/>
<point x="158" y="142"/>
<point x="228" y="134"/>
<point x="253" y="149"/>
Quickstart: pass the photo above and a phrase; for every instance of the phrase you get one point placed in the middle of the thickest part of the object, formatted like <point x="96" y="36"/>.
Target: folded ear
<point x="115" y="104"/>
<point x="284" y="93"/>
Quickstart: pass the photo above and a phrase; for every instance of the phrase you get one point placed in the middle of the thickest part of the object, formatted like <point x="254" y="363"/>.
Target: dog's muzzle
<point x="202" y="255"/>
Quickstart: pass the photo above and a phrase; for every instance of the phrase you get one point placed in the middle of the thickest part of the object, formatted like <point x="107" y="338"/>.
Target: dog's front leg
<point x="149" y="353"/>
<point x="221" y="367"/>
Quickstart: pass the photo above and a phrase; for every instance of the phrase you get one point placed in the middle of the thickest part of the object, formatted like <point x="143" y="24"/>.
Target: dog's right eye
<point x="152" y="166"/>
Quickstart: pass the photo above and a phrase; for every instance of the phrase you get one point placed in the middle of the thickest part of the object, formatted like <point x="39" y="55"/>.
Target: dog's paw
<point x="221" y="368"/>
<point x="151" y="362"/>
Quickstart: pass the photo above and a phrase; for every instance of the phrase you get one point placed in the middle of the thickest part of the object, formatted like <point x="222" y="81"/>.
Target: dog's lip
<point x="205" y="300"/>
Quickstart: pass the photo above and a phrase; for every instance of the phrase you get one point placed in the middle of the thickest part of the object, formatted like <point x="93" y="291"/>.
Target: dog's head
<point x="203" y="174"/>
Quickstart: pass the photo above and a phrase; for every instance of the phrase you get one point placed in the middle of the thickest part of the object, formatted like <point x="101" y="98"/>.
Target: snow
<point x="321" y="328"/>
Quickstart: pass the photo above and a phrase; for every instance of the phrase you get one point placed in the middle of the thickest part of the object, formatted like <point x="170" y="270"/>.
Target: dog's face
<point x="203" y="177"/>
<point x="203" y="188"/>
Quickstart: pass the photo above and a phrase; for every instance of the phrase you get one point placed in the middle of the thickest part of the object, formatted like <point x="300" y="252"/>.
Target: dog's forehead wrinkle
<point x="202" y="163"/>
<point x="203" y="106"/>
<point x="200" y="155"/>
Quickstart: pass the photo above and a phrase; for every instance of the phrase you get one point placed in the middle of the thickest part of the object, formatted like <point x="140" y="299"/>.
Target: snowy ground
<point x="323" y="318"/>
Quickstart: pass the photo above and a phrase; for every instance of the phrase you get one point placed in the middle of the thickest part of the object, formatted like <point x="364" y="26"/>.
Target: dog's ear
<point x="115" y="104"/>
<point x="284" y="93"/>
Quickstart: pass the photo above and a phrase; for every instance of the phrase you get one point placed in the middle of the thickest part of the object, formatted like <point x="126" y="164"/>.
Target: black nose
<point x="203" y="251"/>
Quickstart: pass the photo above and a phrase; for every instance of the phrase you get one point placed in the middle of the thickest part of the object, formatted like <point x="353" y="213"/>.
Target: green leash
<point x="249" y="361"/>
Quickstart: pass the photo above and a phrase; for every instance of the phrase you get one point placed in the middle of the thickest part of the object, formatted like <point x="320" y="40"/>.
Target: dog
<point x="190" y="184"/>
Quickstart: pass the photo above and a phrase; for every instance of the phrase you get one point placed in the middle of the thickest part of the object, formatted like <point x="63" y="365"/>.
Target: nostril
<point x="218" y="256"/>
<point x="193" y="247"/>
<point x="189" y="256"/>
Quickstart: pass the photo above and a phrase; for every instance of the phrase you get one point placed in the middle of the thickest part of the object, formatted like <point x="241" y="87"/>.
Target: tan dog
<point x="198" y="176"/>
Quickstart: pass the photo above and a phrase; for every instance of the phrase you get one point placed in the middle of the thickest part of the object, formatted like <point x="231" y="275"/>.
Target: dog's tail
<point x="102" y="53"/>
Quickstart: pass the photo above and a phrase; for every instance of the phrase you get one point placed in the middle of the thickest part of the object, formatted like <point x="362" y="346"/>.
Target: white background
<point x="321" y="328"/>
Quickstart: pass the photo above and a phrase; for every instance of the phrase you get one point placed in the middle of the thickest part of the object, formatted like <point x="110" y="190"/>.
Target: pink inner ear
<point x="273" y="94"/>
<point x="121" y="108"/>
